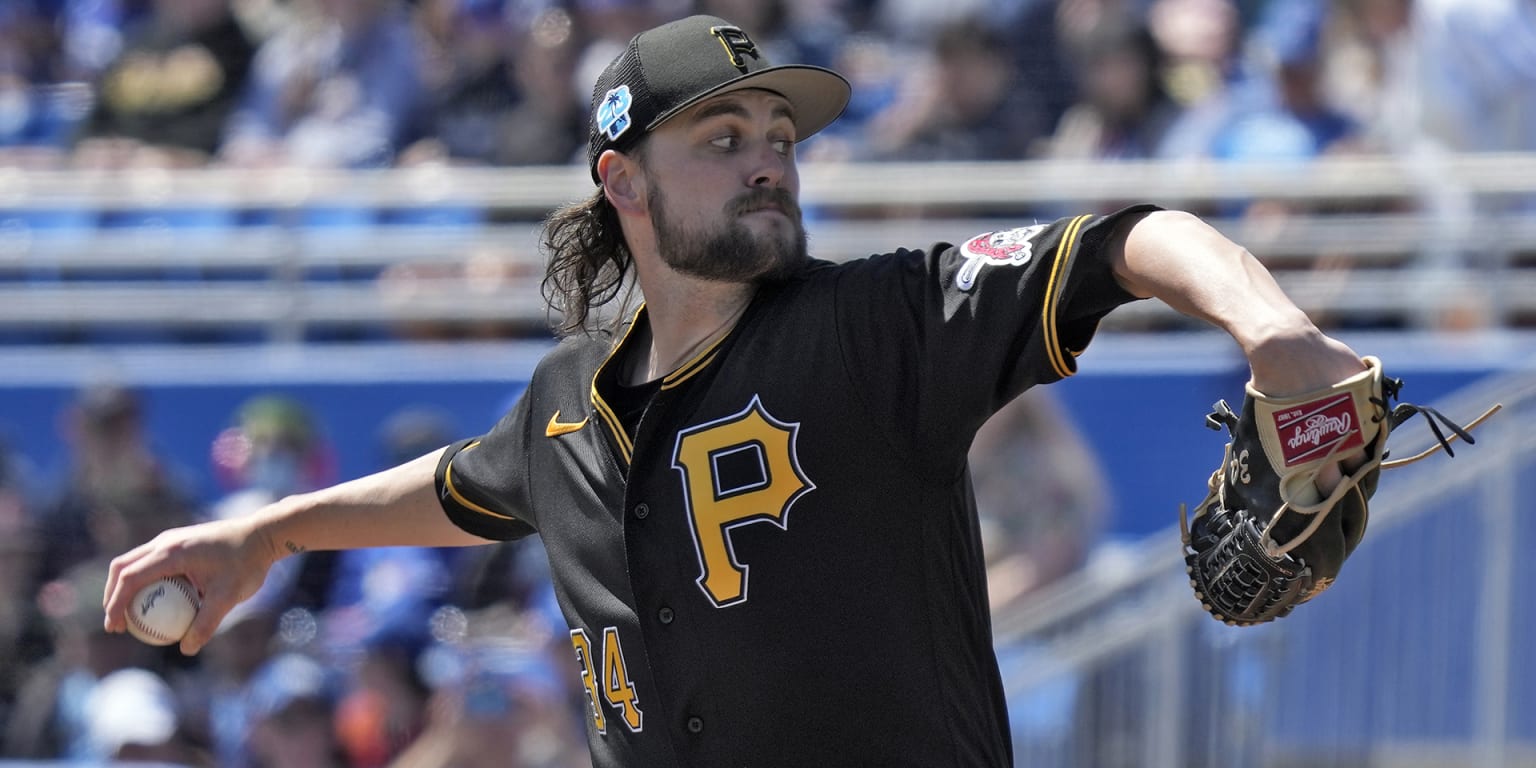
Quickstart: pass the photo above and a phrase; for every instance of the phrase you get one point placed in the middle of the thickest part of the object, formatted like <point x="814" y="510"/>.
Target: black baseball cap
<point x="669" y="68"/>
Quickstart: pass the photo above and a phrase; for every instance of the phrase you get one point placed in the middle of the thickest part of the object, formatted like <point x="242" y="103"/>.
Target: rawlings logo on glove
<point x="1327" y="426"/>
<point x="1264" y="539"/>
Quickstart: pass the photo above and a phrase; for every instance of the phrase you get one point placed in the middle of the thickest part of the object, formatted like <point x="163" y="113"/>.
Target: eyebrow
<point x="730" y="106"/>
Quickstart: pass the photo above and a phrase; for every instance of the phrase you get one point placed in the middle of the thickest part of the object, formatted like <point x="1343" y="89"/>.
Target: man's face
<point x="722" y="186"/>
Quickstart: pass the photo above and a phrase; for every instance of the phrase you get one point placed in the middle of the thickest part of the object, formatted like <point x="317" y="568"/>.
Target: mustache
<point x="759" y="199"/>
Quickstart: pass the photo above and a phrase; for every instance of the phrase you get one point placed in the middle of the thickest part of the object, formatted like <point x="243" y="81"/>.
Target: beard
<point x="733" y="252"/>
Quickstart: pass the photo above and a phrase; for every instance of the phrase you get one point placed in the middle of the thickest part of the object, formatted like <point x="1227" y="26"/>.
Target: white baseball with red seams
<point x="162" y="611"/>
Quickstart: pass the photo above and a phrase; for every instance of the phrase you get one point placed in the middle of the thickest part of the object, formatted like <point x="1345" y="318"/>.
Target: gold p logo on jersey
<point x="736" y="471"/>
<point x="736" y="44"/>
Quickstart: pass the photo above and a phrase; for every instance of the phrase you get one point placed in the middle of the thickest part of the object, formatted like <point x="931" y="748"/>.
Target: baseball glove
<point x="1264" y="540"/>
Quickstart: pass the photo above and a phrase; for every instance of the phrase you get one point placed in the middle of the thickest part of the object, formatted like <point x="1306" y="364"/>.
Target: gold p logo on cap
<point x="736" y="44"/>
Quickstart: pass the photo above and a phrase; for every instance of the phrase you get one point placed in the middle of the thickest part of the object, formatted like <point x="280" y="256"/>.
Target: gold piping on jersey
<point x="615" y="427"/>
<point x="698" y="363"/>
<point x="626" y="445"/>
<point x="460" y="498"/>
<point x="1053" y="348"/>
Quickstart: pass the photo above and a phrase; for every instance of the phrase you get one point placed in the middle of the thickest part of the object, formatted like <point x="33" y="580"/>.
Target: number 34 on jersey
<point x="737" y="470"/>
<point x="606" y="680"/>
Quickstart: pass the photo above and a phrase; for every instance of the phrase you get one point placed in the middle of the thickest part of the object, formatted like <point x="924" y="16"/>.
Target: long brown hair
<point x="588" y="260"/>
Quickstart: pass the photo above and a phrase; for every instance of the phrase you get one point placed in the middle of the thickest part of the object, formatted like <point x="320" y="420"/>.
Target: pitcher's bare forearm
<point x="228" y="560"/>
<point x="395" y="507"/>
<point x="1190" y="266"/>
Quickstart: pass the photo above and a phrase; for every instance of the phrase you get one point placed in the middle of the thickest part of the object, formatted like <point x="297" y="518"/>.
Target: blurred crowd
<point x="100" y="85"/>
<point x="370" y="83"/>
<point x="405" y="657"/>
<point x="401" y="656"/>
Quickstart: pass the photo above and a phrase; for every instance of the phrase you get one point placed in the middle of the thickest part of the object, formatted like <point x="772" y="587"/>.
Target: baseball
<point x="163" y="611"/>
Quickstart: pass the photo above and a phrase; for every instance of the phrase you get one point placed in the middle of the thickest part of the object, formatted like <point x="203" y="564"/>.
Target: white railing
<point x="832" y="185"/>
<point x="1380" y="240"/>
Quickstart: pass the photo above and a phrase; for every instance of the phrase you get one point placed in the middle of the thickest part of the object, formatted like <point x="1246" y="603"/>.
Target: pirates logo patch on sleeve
<point x="1014" y="247"/>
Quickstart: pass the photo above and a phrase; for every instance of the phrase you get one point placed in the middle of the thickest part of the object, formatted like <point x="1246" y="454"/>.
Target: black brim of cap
<point x="816" y="94"/>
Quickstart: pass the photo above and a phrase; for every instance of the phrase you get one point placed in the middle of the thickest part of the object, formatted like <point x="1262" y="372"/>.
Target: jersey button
<point x="642" y="511"/>
<point x="695" y="725"/>
<point x="665" y="615"/>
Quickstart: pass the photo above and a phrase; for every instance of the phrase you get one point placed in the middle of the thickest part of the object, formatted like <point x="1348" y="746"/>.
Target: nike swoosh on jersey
<point x="557" y="427"/>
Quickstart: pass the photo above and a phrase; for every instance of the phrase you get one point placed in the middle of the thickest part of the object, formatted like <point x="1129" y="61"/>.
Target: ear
<point x="622" y="182"/>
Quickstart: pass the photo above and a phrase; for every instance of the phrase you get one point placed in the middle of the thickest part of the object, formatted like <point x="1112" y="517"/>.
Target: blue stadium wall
<point x="1140" y="402"/>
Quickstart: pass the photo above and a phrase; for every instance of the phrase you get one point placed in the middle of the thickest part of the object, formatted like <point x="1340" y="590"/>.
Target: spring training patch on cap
<point x="613" y="113"/>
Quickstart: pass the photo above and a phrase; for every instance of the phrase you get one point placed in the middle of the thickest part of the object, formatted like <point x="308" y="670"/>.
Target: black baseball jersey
<point x="780" y="565"/>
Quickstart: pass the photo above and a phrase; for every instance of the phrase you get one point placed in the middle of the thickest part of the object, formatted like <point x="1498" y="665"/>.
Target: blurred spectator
<point x="273" y="449"/>
<point x="1276" y="111"/>
<point x="1200" y="41"/>
<point x="1474" y="77"/>
<point x="338" y="87"/>
<point x="1039" y="494"/>
<point x="966" y="104"/>
<point x="292" y="701"/>
<point x="616" y="21"/>
<point x="263" y="18"/>
<point x="1477" y="88"/>
<point x="820" y="29"/>
<point x="878" y="71"/>
<point x="1123" y="110"/>
<point x="133" y="717"/>
<point x="502" y="94"/>
<point x="32" y="39"/>
<point x="117" y="491"/>
<point x="1371" y="73"/>
<point x="912" y="21"/>
<point x="385" y="709"/>
<point x="1283" y="114"/>
<point x="915" y="20"/>
<point x="92" y="31"/>
<point x="382" y="585"/>
<point x="51" y="719"/>
<point x="466" y="69"/>
<point x="414" y="431"/>
<point x="1477" y="63"/>
<point x="164" y="101"/>
<point x="40" y="105"/>
<point x="22" y="628"/>
<point x="548" y="125"/>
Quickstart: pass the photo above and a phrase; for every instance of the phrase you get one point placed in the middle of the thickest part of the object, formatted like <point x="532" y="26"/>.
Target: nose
<point x="770" y="167"/>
